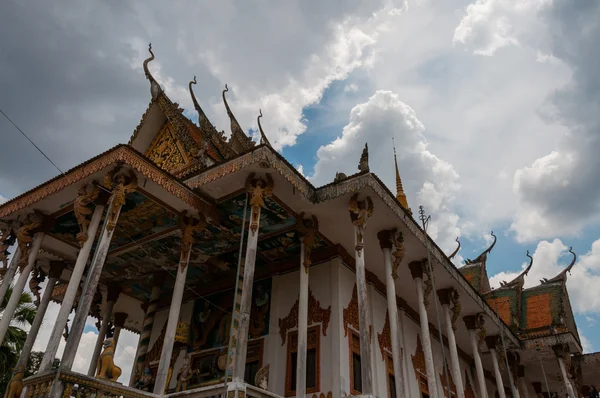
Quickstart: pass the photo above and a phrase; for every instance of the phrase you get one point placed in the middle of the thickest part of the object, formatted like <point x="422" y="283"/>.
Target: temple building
<point x="243" y="279"/>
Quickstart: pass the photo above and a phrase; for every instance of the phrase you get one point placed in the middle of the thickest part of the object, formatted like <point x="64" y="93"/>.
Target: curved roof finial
<point x="203" y="122"/>
<point x="562" y="277"/>
<point x="455" y="252"/>
<point x="263" y="136"/>
<point x="155" y="89"/>
<point x="520" y="279"/>
<point x="235" y="126"/>
<point x="483" y="256"/>
<point x="526" y="272"/>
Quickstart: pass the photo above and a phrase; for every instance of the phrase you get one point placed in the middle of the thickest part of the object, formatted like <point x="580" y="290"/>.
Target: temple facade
<point x="243" y="279"/>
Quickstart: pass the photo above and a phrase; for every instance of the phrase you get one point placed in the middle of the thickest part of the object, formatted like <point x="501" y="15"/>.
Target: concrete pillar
<point x="56" y="269"/>
<point x="562" y="351"/>
<point x="416" y="270"/>
<point x="472" y="322"/>
<point x="404" y="354"/>
<point x="491" y="342"/>
<point x="302" y="328"/>
<point x="447" y="298"/>
<point x="111" y="299"/>
<point x="69" y="297"/>
<point x="147" y="325"/>
<point x="26" y="267"/>
<point x="188" y="227"/>
<point x="513" y="358"/>
<point x="523" y="390"/>
<point x="9" y="274"/>
<point x="120" y="318"/>
<point x="386" y="238"/>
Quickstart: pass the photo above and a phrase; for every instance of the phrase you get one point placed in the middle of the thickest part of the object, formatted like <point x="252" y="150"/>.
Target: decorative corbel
<point x="259" y="188"/>
<point x="33" y="222"/>
<point x="84" y="197"/>
<point x="120" y="185"/>
<point x="7" y="239"/>
<point x="189" y="225"/>
<point x="398" y="252"/>
<point x="360" y="211"/>
<point x="480" y="326"/>
<point x="427" y="282"/>
<point x="308" y="228"/>
<point x="450" y="297"/>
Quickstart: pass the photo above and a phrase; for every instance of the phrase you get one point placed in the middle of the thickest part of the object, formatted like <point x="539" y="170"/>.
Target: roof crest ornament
<point x="205" y="124"/>
<point x="263" y="136"/>
<point x="155" y="89"/>
<point x="235" y="126"/>
<point x="363" y="164"/>
<point x="455" y="252"/>
<point x="520" y="279"/>
<point x="483" y="256"/>
<point x="562" y="277"/>
<point x="400" y="195"/>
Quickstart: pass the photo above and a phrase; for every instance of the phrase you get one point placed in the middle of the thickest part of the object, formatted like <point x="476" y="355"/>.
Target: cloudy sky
<point x="493" y="105"/>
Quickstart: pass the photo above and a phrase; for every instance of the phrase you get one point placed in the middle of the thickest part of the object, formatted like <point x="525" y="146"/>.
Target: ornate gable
<point x="316" y="313"/>
<point x="166" y="151"/>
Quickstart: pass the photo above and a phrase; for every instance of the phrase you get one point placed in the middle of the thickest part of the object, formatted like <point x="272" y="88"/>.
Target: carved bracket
<point x="120" y="185"/>
<point x="360" y="212"/>
<point x="259" y="188"/>
<point x="189" y="225"/>
<point x="84" y="197"/>
<point x="308" y="228"/>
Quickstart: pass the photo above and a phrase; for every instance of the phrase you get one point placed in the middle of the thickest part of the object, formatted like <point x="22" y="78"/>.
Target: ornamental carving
<point x="418" y="360"/>
<point x="84" y="197"/>
<point x="315" y="314"/>
<point x="445" y="382"/>
<point x="37" y="277"/>
<point x="456" y="307"/>
<point x="25" y="236"/>
<point x="189" y="226"/>
<point x="259" y="188"/>
<point x="360" y="211"/>
<point x="120" y="185"/>
<point x="480" y="326"/>
<point x="385" y="337"/>
<point x="308" y="228"/>
<point x="166" y="150"/>
<point x="397" y="253"/>
<point x="351" y="315"/>
<point x="428" y="282"/>
<point x="7" y="239"/>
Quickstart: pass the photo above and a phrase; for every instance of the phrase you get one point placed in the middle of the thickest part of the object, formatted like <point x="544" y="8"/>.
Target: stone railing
<point x="79" y="386"/>
<point x="215" y="390"/>
<point x="256" y="392"/>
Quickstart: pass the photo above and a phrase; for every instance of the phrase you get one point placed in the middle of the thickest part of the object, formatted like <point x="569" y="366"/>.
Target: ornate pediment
<point x="166" y="151"/>
<point x="385" y="337"/>
<point x="351" y="315"/>
<point x="315" y="314"/>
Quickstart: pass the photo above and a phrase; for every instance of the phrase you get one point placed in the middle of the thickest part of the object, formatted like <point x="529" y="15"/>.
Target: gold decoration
<point x="308" y="231"/>
<point x="427" y="282"/>
<point x="315" y="314"/>
<point x="25" y="236"/>
<point x="351" y="312"/>
<point x="68" y="390"/>
<point x="480" y="326"/>
<point x="37" y="277"/>
<point x="121" y="186"/>
<point x="420" y="368"/>
<point x="385" y="337"/>
<point x="261" y="380"/>
<point x="82" y="211"/>
<point x="15" y="386"/>
<point x="259" y="188"/>
<point x="106" y="368"/>
<point x="5" y="243"/>
<point x="398" y="252"/>
<point x="119" y="154"/>
<point x="189" y="226"/>
<point x="456" y="307"/>
<point x="360" y="211"/>
<point x="166" y="150"/>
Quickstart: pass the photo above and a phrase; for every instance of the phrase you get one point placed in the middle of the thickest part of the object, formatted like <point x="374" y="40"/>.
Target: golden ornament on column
<point x="398" y="252"/>
<point x="82" y="211"/>
<point x="25" y="236"/>
<point x="120" y="185"/>
<point x="360" y="211"/>
<point x="189" y="225"/>
<point x="258" y="188"/>
<point x="307" y="227"/>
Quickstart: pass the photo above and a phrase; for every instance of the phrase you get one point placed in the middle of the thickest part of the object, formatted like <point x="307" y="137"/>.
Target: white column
<point x="563" y="372"/>
<point x="456" y="373"/>
<point x="69" y="297"/>
<point x="302" y="328"/>
<point x="477" y="358"/>
<point x="416" y="269"/>
<point x="13" y="302"/>
<point x="499" y="383"/>
<point x="404" y="353"/>
<point x="160" y="384"/>
<point x="111" y="298"/>
<point x="523" y="390"/>
<point x="385" y="241"/>
<point x="10" y="274"/>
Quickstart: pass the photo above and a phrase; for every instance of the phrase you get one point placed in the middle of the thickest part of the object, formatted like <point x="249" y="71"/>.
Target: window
<point x="391" y="380"/>
<point x="312" y="362"/>
<point x="355" y="366"/>
<point x="253" y="360"/>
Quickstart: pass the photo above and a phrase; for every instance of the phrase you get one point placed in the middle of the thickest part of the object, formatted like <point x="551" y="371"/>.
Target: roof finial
<point x="519" y="281"/>
<point x="363" y="164"/>
<point x="526" y="272"/>
<point x="155" y="89"/>
<point x="400" y="195"/>
<point x="455" y="252"/>
<point x="203" y="121"/>
<point x="263" y="136"/>
<point x="236" y="129"/>
<point x="562" y="277"/>
<point x="483" y="256"/>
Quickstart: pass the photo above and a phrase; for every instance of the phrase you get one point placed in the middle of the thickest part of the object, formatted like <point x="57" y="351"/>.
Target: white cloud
<point x="351" y="88"/>
<point x="586" y="344"/>
<point x="300" y="169"/>
<point x="3" y="199"/>
<point x="427" y="179"/>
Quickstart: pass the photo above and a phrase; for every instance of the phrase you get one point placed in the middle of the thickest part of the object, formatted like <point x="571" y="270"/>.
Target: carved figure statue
<point x="6" y="241"/>
<point x="261" y="380"/>
<point x="259" y="188"/>
<point x="456" y="307"/>
<point x="25" y="236"/>
<point x="189" y="225"/>
<point x="82" y="211"/>
<point x="307" y="227"/>
<point x="106" y="365"/>
<point x="185" y="374"/>
<point x="398" y="252"/>
<point x="15" y="386"/>
<point x="360" y="211"/>
<point x="427" y="282"/>
<point x="363" y="165"/>
<point x="146" y="381"/>
<point x="37" y="277"/>
<point x="121" y="186"/>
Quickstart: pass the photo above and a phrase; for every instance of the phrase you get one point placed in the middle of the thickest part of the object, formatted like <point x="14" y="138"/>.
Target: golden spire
<point x="400" y="196"/>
